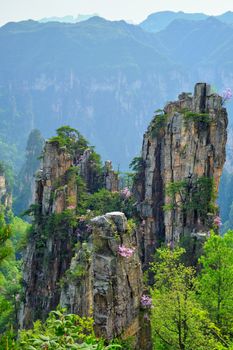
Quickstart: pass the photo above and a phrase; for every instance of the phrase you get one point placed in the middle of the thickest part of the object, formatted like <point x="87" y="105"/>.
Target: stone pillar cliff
<point x="94" y="264"/>
<point x="106" y="282"/>
<point x="76" y="262"/>
<point x="182" y="158"/>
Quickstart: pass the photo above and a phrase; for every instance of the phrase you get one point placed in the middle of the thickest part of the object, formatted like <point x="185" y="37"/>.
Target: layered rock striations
<point x="181" y="163"/>
<point x="102" y="279"/>
<point x="50" y="245"/>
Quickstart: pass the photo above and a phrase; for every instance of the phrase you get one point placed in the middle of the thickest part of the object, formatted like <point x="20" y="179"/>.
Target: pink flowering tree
<point x="125" y="252"/>
<point x="71" y="207"/>
<point x="226" y="95"/>
<point x="125" y="193"/>
<point x="146" y="301"/>
<point x="217" y="221"/>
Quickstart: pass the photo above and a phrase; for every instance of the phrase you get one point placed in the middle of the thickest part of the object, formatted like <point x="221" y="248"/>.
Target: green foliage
<point x="58" y="224"/>
<point x="10" y="270"/>
<point x="197" y="117"/>
<point x="131" y="225"/>
<point x="178" y="319"/>
<point x="104" y="201"/>
<point x="95" y="160"/>
<point x="82" y="260"/>
<point x="5" y="234"/>
<point x="192" y="195"/>
<point x="82" y="195"/>
<point x="137" y="166"/>
<point x="62" y="331"/>
<point x="158" y="123"/>
<point x="77" y="273"/>
<point x="126" y="179"/>
<point x="216" y="280"/>
<point x="19" y="229"/>
<point x="33" y="211"/>
<point x="71" y="140"/>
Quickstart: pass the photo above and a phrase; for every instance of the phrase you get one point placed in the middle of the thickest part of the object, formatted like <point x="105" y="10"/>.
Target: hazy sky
<point x="135" y="10"/>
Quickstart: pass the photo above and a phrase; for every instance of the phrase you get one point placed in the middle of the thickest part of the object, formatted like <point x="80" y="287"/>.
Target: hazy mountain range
<point x="104" y="78"/>
<point x="160" y="20"/>
<point x="67" y="19"/>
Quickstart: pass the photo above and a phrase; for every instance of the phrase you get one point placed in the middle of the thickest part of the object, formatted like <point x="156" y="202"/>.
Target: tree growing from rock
<point x="179" y="322"/>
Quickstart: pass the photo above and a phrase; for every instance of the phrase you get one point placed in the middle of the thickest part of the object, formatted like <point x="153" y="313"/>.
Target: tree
<point x="178" y="320"/>
<point x="71" y="139"/>
<point x="62" y="331"/>
<point x="216" y="280"/>
<point x="10" y="270"/>
<point x="5" y="233"/>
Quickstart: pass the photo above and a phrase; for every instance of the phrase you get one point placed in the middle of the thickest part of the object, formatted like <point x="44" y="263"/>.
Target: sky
<point x="133" y="10"/>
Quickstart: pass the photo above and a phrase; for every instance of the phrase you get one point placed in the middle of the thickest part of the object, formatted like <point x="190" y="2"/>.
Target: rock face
<point x="183" y="155"/>
<point x="49" y="250"/>
<point x="111" y="179"/>
<point x="107" y="282"/>
<point x="75" y="264"/>
<point x="5" y="195"/>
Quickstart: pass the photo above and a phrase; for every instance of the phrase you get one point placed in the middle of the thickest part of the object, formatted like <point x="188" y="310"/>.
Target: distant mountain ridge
<point x="67" y="19"/>
<point x="160" y="20"/>
<point x="104" y="78"/>
<point x="91" y="75"/>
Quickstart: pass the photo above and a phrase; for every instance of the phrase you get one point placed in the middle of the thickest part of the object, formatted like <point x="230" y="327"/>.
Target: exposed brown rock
<point x="109" y="284"/>
<point x="180" y="148"/>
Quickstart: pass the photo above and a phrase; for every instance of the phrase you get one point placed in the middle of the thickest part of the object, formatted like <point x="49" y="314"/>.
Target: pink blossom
<point x="125" y="252"/>
<point x="217" y="221"/>
<point x="71" y="207"/>
<point x="89" y="228"/>
<point x="126" y="193"/>
<point x="146" y="301"/>
<point x="227" y="95"/>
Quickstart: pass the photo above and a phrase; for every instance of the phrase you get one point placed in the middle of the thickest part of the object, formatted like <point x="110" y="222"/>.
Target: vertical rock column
<point x="117" y="280"/>
<point x="49" y="250"/>
<point x="184" y="146"/>
<point x="104" y="281"/>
